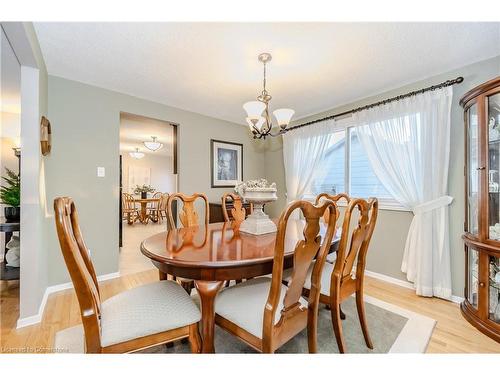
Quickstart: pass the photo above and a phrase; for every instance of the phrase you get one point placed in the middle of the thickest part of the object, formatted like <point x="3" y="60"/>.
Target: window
<point x="346" y="168"/>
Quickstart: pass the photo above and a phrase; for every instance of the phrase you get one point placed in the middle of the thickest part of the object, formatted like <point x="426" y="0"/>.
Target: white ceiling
<point x="212" y="68"/>
<point x="134" y="130"/>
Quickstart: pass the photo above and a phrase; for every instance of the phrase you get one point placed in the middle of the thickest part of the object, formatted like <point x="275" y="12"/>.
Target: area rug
<point x="392" y="329"/>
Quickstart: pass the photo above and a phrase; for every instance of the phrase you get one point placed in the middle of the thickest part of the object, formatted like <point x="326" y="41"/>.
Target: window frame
<point x="346" y="124"/>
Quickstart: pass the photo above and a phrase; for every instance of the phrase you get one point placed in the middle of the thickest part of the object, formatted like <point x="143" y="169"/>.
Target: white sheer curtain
<point x="408" y="146"/>
<point x="303" y="151"/>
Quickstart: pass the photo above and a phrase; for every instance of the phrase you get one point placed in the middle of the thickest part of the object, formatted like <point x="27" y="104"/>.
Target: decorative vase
<point x="12" y="214"/>
<point x="144" y="195"/>
<point x="258" y="222"/>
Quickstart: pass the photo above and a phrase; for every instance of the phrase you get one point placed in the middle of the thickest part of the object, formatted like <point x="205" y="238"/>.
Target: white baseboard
<point x="403" y="283"/>
<point x="34" y="319"/>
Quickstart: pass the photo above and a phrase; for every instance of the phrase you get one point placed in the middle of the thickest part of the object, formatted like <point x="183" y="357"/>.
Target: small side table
<point x="7" y="272"/>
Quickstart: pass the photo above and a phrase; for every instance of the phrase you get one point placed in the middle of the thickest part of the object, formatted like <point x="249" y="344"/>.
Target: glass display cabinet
<point x="481" y="306"/>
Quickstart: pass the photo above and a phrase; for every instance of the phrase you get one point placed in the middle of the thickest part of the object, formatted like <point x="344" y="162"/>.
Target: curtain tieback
<point x="440" y="202"/>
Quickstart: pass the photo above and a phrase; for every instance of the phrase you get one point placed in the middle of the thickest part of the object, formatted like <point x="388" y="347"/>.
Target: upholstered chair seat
<point x="244" y="303"/>
<point x="325" y="277"/>
<point x="146" y="310"/>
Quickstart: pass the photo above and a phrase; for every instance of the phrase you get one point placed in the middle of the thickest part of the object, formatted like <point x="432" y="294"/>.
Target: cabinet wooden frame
<point x="480" y="241"/>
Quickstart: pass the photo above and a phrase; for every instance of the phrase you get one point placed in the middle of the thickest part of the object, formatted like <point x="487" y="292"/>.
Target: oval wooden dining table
<point x="216" y="253"/>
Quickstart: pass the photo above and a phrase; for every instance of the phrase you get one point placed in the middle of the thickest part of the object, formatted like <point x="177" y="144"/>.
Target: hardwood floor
<point x="451" y="335"/>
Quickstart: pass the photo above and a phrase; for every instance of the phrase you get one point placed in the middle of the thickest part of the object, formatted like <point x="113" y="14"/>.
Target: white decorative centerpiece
<point x="257" y="192"/>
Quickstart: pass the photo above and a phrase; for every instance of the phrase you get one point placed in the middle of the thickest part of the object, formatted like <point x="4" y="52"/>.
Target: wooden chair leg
<point x="163" y="276"/>
<point x="360" y="304"/>
<point x="194" y="338"/>
<point x="337" y="326"/>
<point x="312" y="330"/>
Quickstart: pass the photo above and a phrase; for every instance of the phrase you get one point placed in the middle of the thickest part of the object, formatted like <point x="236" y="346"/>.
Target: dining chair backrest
<point x="340" y="198"/>
<point x="188" y="216"/>
<point x="81" y="269"/>
<point x="155" y="205"/>
<point x="307" y="250"/>
<point x="238" y="212"/>
<point x="128" y="202"/>
<point x="355" y="237"/>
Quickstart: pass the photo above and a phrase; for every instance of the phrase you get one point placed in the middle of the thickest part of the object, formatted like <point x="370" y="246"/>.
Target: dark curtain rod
<point x="382" y="102"/>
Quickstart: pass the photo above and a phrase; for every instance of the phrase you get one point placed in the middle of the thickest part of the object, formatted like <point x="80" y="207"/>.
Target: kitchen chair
<point x="136" y="319"/>
<point x="238" y="212"/>
<point x="337" y="281"/>
<point x="188" y="217"/>
<point x="129" y="210"/>
<point x="154" y="207"/>
<point x="263" y="312"/>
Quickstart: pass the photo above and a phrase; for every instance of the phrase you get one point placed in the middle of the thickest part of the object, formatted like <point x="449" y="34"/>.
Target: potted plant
<point x="143" y="190"/>
<point x="10" y="195"/>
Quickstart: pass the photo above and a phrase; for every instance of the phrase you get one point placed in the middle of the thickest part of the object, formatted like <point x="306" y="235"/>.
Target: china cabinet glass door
<point x="494" y="292"/>
<point x="473" y="276"/>
<point x="473" y="170"/>
<point x="493" y="115"/>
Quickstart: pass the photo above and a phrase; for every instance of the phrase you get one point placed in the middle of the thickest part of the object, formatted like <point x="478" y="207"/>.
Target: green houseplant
<point x="144" y="190"/>
<point x="10" y="195"/>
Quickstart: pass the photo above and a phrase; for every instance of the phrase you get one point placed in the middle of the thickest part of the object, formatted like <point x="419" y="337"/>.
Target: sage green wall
<point x="85" y="134"/>
<point x="389" y="237"/>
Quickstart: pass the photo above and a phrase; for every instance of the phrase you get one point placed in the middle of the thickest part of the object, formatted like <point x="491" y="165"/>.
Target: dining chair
<point x="129" y="210"/>
<point x="265" y="313"/>
<point x="238" y="212"/>
<point x="163" y="206"/>
<point x="188" y="217"/>
<point x="337" y="280"/>
<point x="136" y="319"/>
<point x="154" y="207"/>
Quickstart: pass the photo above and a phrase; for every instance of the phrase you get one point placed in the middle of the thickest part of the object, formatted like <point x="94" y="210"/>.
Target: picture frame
<point x="226" y="163"/>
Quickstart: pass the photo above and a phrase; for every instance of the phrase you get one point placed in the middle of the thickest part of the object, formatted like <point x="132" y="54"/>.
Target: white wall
<point x="161" y="169"/>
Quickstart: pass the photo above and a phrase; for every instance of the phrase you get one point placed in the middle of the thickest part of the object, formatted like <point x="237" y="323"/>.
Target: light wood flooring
<point x="131" y="259"/>
<point x="452" y="334"/>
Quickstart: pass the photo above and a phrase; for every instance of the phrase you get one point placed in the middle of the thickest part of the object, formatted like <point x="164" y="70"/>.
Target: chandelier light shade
<point x="136" y="154"/>
<point x="258" y="118"/>
<point x="283" y="116"/>
<point x="153" y="145"/>
<point x="254" y="109"/>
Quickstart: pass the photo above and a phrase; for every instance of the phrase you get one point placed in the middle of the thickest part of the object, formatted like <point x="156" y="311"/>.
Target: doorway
<point x="148" y="175"/>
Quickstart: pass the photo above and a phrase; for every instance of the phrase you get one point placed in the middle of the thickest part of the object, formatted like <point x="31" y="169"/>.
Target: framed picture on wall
<point x="226" y="163"/>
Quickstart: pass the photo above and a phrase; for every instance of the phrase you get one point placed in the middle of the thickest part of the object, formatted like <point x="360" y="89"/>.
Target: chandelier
<point x="258" y="111"/>
<point x="153" y="145"/>
<point x="136" y="154"/>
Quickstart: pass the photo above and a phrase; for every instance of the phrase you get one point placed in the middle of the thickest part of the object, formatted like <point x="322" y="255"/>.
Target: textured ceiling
<point x="212" y="68"/>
